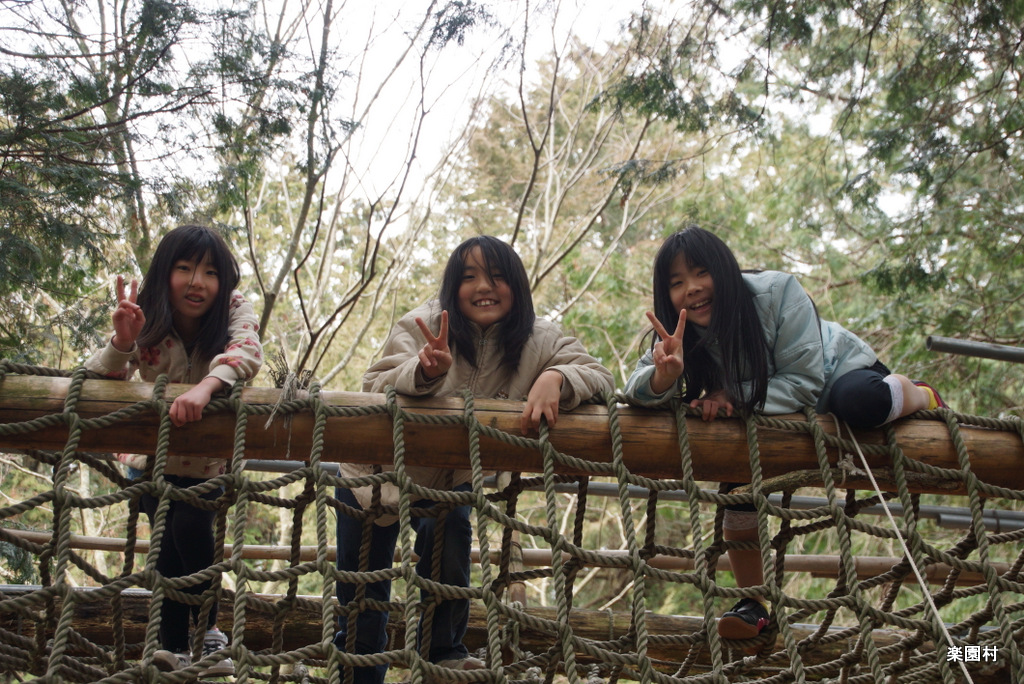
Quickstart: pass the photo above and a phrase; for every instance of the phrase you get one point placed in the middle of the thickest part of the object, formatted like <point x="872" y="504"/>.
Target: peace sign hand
<point x="435" y="356"/>
<point x="668" y="353"/>
<point x="128" y="317"/>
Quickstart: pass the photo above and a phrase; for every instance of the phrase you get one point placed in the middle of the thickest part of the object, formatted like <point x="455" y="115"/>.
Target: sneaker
<point x="934" y="393"/>
<point x="214" y="641"/>
<point x="745" y="621"/>
<point x="166" y="661"/>
<point x="462" y="664"/>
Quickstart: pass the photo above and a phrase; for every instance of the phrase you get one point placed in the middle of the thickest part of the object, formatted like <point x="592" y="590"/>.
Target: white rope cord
<point x="906" y="550"/>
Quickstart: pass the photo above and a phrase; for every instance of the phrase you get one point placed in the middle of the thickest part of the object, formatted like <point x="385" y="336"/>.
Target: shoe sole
<point x="224" y="668"/>
<point x="166" y="663"/>
<point x="736" y="629"/>
<point x="218" y="671"/>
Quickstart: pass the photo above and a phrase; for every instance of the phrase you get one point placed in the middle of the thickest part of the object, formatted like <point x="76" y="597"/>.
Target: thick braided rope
<point x="157" y="527"/>
<point x="1011" y="647"/>
<point x="773" y="589"/>
<point x="912" y="559"/>
<point x="63" y="513"/>
<point x="558" y="546"/>
<point x="851" y="585"/>
<point x="326" y="570"/>
<point x="911" y="535"/>
<point x="487" y="582"/>
<point x="916" y="668"/>
<point x="643" y="663"/>
<point x="702" y="570"/>
<point x="416" y="666"/>
<point x="241" y="503"/>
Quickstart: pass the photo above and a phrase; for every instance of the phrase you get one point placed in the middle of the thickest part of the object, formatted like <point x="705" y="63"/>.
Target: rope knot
<point x="847" y="467"/>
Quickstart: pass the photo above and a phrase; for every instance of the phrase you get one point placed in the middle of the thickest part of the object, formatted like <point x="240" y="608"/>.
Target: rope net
<point x="968" y="625"/>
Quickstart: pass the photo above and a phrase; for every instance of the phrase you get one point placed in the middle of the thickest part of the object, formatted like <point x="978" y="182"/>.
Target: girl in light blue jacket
<point x="755" y="342"/>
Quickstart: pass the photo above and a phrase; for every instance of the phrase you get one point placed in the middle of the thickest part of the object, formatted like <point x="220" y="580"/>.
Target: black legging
<point x="861" y="397"/>
<point x="186" y="548"/>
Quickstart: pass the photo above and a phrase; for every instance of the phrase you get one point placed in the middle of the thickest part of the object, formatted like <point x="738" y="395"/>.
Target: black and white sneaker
<point x="214" y="641"/>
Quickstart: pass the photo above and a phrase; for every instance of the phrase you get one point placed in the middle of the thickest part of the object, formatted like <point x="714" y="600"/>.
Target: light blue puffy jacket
<point x="806" y="355"/>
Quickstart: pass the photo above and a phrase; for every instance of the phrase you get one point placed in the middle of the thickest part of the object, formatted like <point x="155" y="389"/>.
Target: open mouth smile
<point x="698" y="305"/>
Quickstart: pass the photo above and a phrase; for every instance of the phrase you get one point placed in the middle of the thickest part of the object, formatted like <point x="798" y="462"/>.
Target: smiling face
<point x="484" y="297"/>
<point x="691" y="288"/>
<point x="193" y="290"/>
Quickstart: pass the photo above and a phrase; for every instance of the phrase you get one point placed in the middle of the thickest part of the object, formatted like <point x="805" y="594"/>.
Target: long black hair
<point x="188" y="243"/>
<point x="734" y="325"/>
<point x="516" y="328"/>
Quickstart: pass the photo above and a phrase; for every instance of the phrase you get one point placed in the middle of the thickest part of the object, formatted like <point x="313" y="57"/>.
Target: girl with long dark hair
<point x="481" y="335"/>
<point x="189" y="322"/>
<point x="753" y="341"/>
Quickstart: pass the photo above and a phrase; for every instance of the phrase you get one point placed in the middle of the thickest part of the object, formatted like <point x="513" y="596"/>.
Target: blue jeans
<point x="450" y="617"/>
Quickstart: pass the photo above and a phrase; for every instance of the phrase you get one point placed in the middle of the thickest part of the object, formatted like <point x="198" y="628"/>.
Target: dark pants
<point x="186" y="547"/>
<point x="861" y="397"/>
<point x="450" y="617"/>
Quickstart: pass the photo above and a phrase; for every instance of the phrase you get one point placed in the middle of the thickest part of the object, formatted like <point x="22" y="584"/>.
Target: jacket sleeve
<point x="638" y="387"/>
<point x="113" y="363"/>
<point x="584" y="376"/>
<point x="399" y="365"/>
<point x="794" y="334"/>
<point x="243" y="355"/>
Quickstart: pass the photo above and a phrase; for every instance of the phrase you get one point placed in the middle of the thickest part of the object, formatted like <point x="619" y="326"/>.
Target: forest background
<point x="345" y="148"/>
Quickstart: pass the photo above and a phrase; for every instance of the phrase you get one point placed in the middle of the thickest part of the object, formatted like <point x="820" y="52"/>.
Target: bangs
<point x="495" y="259"/>
<point x="694" y="259"/>
<point x="200" y="244"/>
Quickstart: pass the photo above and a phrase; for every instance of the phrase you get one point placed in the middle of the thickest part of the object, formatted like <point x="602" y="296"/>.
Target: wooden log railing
<point x="649" y="439"/>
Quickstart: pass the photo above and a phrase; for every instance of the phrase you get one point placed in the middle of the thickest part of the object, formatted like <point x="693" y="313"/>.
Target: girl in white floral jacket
<point x="189" y="322"/>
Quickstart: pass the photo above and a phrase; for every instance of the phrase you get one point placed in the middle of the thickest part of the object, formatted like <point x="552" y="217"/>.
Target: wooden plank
<point x="649" y="439"/>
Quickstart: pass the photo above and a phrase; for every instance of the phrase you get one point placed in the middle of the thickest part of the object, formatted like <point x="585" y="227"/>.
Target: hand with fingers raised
<point x="128" y="317"/>
<point x="668" y="353"/>
<point x="435" y="356"/>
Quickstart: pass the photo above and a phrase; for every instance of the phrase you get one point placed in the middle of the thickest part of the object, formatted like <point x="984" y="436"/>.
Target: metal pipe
<point x="995" y="521"/>
<point x="985" y="350"/>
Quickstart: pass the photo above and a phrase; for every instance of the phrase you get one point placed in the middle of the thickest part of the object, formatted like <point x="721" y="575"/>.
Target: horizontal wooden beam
<point x="301" y="621"/>
<point x="649" y="439"/>
<point x="816" y="565"/>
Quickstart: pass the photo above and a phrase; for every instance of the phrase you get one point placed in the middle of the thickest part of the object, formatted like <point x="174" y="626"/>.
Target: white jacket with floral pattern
<point x="241" y="359"/>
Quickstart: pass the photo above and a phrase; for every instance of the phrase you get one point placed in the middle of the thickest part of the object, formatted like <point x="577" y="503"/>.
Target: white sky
<point x="456" y="75"/>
